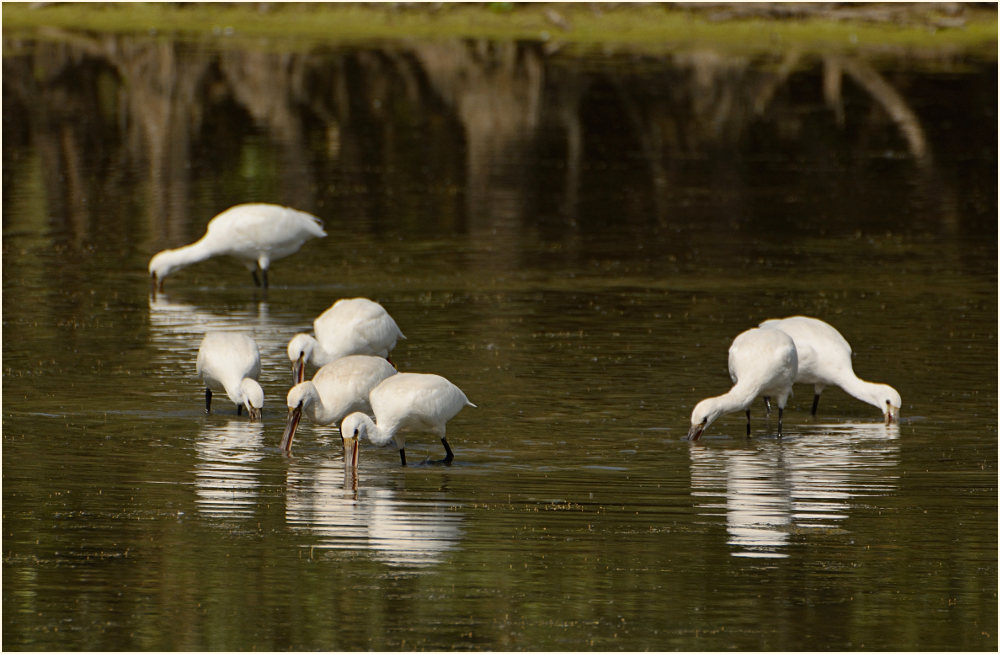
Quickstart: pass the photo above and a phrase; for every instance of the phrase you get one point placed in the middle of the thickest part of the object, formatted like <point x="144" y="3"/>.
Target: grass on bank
<point x="654" y="27"/>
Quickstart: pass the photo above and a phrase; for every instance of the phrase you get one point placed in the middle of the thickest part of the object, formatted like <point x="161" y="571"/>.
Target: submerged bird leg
<point x="748" y="423"/>
<point x="780" y="411"/>
<point x="402" y="456"/>
<point x="815" y="403"/>
<point x="449" y="456"/>
<point x="208" y="400"/>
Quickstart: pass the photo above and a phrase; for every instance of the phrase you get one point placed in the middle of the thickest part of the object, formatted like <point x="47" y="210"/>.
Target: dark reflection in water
<point x="487" y="137"/>
<point x="573" y="238"/>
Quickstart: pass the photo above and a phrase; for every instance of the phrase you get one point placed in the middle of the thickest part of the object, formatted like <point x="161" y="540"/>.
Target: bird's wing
<point x="734" y="354"/>
<point x="358" y="327"/>
<point x="438" y="398"/>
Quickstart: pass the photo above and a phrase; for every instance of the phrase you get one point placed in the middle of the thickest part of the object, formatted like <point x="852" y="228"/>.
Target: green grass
<point x="645" y="27"/>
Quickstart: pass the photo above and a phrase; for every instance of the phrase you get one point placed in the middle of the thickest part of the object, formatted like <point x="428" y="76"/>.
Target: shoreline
<point x="654" y="28"/>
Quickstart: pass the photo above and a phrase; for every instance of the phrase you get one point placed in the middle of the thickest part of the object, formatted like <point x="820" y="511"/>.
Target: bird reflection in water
<point x="771" y="491"/>
<point x="324" y="500"/>
<point x="226" y="476"/>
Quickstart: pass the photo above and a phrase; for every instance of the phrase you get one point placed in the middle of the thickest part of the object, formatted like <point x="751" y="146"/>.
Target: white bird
<point x="762" y="363"/>
<point x="825" y="360"/>
<point x="256" y="234"/>
<point x="406" y="402"/>
<point x="230" y="362"/>
<point x="349" y="326"/>
<point x="337" y="389"/>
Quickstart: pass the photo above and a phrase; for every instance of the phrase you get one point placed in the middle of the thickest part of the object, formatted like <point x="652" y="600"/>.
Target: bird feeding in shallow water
<point x="407" y="402"/>
<point x="825" y="360"/>
<point x="762" y="363"/>
<point x="337" y="389"/>
<point x="256" y="234"/>
<point x="231" y="362"/>
<point x="350" y="326"/>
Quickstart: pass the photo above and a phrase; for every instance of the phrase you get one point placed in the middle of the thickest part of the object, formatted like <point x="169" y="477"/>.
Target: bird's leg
<point x="780" y="411"/>
<point x="239" y="409"/>
<point x="208" y="400"/>
<point x="815" y="403"/>
<point x="263" y="274"/>
<point x="748" y="423"/>
<point x="402" y="456"/>
<point x="256" y="280"/>
<point x="449" y="456"/>
<point x="767" y="405"/>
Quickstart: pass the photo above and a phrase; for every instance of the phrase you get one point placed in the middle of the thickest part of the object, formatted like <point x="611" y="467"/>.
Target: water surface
<point x="572" y="238"/>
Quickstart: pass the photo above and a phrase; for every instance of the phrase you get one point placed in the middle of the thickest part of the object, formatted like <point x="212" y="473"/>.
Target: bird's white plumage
<point x="230" y="362"/>
<point x="256" y="234"/>
<point x="825" y="360"/>
<point x="407" y="402"/>
<point x="337" y="389"/>
<point x="762" y="363"/>
<point x="349" y="326"/>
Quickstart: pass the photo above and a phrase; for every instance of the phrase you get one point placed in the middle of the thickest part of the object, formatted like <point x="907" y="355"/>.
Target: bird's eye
<point x="355" y="433"/>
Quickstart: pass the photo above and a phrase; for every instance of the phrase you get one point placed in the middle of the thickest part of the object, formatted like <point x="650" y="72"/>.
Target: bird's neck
<point x="376" y="434"/>
<point x="320" y="356"/>
<point x="865" y="391"/>
<point x="234" y="388"/>
<point x="188" y="254"/>
<point x="314" y="407"/>
<point x="739" y="398"/>
<point x="319" y="412"/>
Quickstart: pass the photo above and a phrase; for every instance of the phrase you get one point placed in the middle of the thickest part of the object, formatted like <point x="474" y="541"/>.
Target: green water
<point x="574" y="241"/>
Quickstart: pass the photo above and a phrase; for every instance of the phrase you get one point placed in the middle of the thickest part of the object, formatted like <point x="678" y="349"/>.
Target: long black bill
<point x="695" y="432"/>
<point x="351" y="448"/>
<point x="298" y="370"/>
<point x="294" y="415"/>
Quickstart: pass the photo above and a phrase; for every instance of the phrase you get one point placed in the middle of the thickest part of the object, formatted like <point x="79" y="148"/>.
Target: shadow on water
<point x="572" y="237"/>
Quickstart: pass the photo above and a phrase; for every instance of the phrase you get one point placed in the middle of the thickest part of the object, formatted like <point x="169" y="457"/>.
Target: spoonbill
<point x="825" y="360"/>
<point x="762" y="362"/>
<point x="350" y="326"/>
<point x="256" y="234"/>
<point x="405" y="402"/>
<point x="230" y="362"/>
<point x="337" y="389"/>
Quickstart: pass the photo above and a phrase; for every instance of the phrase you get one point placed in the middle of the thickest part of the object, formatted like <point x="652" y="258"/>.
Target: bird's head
<point x="352" y="429"/>
<point x="704" y="414"/>
<point x="253" y="398"/>
<point x="302" y="396"/>
<point x="162" y="264"/>
<point x="890" y="402"/>
<point x="300" y="350"/>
